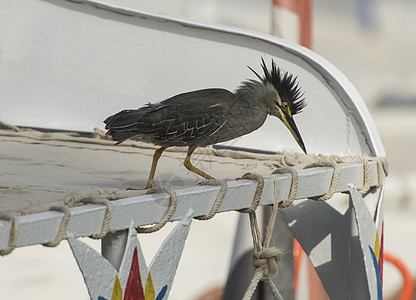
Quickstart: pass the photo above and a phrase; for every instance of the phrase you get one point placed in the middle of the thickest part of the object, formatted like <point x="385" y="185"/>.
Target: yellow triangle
<point x="117" y="291"/>
<point x="149" y="293"/>
<point x="377" y="247"/>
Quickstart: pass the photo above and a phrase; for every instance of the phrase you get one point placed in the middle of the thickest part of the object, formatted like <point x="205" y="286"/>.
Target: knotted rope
<point x="265" y="258"/>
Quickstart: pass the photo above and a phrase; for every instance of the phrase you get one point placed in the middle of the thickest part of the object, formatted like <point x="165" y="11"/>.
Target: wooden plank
<point x="148" y="209"/>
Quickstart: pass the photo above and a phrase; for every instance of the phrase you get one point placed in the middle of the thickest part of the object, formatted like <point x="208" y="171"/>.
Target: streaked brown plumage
<point x="205" y="117"/>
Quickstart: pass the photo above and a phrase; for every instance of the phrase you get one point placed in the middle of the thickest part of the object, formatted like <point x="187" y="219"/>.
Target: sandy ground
<point x="379" y="62"/>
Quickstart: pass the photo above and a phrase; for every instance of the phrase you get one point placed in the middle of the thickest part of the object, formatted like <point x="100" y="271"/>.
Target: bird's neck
<point x="250" y="90"/>
<point x="250" y="101"/>
<point x="254" y="94"/>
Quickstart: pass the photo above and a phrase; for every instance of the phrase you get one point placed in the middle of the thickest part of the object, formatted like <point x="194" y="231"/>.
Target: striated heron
<point x="209" y="116"/>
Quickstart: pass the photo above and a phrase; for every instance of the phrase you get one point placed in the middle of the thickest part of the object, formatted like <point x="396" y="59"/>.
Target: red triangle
<point x="134" y="287"/>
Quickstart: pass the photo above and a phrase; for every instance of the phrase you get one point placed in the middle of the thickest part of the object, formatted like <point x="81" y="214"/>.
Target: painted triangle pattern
<point x="134" y="280"/>
<point x="371" y="235"/>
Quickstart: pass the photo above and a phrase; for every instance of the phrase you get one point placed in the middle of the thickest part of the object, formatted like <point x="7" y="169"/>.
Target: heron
<point x="214" y="115"/>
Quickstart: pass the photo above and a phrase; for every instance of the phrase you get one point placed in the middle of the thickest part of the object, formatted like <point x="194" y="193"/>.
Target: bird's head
<point x="283" y="98"/>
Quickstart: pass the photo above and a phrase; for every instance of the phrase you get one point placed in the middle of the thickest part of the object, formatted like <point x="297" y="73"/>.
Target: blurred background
<point x="373" y="43"/>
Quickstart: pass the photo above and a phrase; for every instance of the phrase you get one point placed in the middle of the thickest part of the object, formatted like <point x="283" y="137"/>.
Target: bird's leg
<point x="187" y="163"/>
<point x="156" y="157"/>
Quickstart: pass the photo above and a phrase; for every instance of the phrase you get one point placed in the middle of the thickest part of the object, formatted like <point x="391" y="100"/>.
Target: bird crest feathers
<point x="285" y="84"/>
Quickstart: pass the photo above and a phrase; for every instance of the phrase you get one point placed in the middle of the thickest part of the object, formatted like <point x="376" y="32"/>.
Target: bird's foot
<point x="242" y="177"/>
<point x="148" y="186"/>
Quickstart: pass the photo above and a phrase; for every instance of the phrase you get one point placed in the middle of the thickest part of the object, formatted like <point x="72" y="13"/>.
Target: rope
<point x="14" y="231"/>
<point x="166" y="217"/>
<point x="62" y="227"/>
<point x="382" y="164"/>
<point x="7" y="126"/>
<point x="367" y="175"/>
<point x="293" y="186"/>
<point x="332" y="161"/>
<point x="284" y="162"/>
<point x="334" y="181"/>
<point x="107" y="217"/>
<point x="257" y="193"/>
<point x="218" y="200"/>
<point x="290" y="160"/>
<point x="275" y="292"/>
<point x="265" y="258"/>
<point x="93" y="196"/>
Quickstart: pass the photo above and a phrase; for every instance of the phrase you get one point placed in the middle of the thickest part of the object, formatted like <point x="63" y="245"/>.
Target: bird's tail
<point x="123" y="125"/>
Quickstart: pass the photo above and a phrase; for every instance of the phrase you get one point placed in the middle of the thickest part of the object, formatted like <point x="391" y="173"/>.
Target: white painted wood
<point x="367" y="234"/>
<point x="165" y="262"/>
<point x="162" y="269"/>
<point x="91" y="264"/>
<point x="69" y="65"/>
<point x="148" y="209"/>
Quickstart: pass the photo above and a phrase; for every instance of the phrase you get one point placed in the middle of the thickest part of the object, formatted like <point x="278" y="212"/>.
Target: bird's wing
<point x="188" y="117"/>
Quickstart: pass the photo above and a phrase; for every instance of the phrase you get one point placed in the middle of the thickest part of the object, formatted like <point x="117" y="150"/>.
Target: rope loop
<point x="14" y="231"/>
<point x="258" y="192"/>
<point x="382" y="165"/>
<point x="107" y="216"/>
<point x="62" y="227"/>
<point x="293" y="186"/>
<point x="218" y="200"/>
<point x="367" y="175"/>
<point x="93" y="196"/>
<point x="335" y="177"/>
<point x="172" y="208"/>
<point x="365" y="161"/>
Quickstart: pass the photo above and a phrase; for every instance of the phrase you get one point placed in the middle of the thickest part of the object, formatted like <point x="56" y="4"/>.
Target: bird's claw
<point x="242" y="177"/>
<point x="133" y="189"/>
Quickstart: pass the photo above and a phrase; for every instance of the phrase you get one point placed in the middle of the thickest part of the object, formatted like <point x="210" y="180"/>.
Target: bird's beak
<point x="290" y="124"/>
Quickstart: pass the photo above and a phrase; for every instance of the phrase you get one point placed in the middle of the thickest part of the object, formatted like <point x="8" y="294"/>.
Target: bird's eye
<point x="286" y="109"/>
